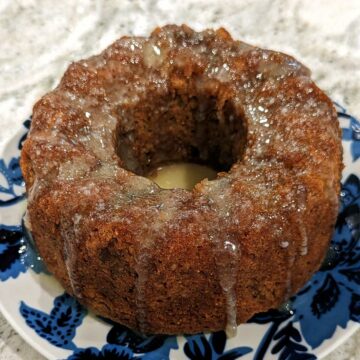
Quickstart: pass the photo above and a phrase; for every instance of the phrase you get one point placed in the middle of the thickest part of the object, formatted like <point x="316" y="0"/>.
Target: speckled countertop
<point x="40" y="38"/>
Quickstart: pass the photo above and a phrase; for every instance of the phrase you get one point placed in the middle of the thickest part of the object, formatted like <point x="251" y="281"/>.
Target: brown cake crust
<point x="177" y="261"/>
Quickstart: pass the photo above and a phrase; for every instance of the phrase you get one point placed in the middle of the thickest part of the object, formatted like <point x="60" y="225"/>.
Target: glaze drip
<point x="226" y="248"/>
<point x="70" y="234"/>
<point x="300" y="200"/>
<point x="227" y="260"/>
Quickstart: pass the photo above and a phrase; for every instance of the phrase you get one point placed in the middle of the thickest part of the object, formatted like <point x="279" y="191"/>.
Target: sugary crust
<point x="174" y="261"/>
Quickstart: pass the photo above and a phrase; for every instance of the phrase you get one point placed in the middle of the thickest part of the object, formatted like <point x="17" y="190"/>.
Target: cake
<point x="177" y="261"/>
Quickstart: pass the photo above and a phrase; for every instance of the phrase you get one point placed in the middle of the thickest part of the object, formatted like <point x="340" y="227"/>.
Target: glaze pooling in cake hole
<point x="181" y="175"/>
<point x="252" y="114"/>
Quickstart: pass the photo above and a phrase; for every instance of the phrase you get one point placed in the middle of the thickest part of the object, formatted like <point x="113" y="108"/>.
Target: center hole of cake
<point x="181" y="175"/>
<point x="178" y="138"/>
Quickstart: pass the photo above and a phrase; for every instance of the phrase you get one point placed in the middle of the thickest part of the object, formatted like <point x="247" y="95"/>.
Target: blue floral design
<point x="288" y="344"/>
<point x="17" y="250"/>
<point x="199" y="347"/>
<point x="287" y="339"/>
<point x="124" y="343"/>
<point x="355" y="308"/>
<point x="28" y="253"/>
<point x="331" y="297"/>
<point x="17" y="254"/>
<point x="11" y="177"/>
<point x="10" y="246"/>
<point x="60" y="325"/>
<point x="108" y="352"/>
<point x="11" y="174"/>
<point x="153" y="347"/>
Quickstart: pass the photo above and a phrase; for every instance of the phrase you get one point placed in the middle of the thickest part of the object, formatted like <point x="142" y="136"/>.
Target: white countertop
<point x="40" y="38"/>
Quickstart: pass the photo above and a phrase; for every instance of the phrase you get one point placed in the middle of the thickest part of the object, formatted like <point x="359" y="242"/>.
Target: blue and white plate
<point x="318" y="319"/>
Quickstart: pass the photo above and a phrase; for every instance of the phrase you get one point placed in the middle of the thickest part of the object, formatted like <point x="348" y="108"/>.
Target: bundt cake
<point x="179" y="261"/>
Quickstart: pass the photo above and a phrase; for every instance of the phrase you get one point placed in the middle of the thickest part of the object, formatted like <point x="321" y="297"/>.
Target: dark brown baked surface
<point x="177" y="261"/>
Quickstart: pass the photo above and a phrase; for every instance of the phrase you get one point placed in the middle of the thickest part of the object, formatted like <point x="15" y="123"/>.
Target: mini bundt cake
<point x="178" y="261"/>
